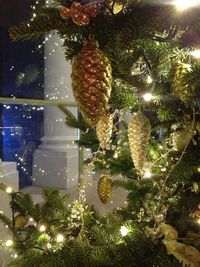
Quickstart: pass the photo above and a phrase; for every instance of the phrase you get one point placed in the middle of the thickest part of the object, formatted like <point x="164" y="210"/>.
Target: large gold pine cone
<point x="105" y="188"/>
<point x="92" y="82"/>
<point x="139" y="131"/>
<point x="182" y="91"/>
<point x="104" y="130"/>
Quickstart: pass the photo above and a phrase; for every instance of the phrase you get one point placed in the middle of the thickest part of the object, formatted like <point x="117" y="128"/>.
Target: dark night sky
<point x="17" y="54"/>
<point x="17" y="58"/>
<point x="13" y="11"/>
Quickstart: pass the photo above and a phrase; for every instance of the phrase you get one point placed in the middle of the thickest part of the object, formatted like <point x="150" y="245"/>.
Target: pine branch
<point x="6" y="220"/>
<point x="23" y="203"/>
<point x="48" y="20"/>
<point x="62" y="2"/>
<point x="72" y="121"/>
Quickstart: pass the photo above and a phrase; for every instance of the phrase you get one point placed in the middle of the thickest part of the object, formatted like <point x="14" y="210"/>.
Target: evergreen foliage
<point x="149" y="49"/>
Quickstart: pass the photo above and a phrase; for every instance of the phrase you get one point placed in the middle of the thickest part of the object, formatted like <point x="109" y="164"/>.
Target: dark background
<point x="21" y="75"/>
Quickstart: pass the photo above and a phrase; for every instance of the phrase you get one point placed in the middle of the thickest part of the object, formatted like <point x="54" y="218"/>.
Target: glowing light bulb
<point x="9" y="190"/>
<point x="198" y="221"/>
<point x="147" y="174"/>
<point x="149" y="80"/>
<point x="49" y="246"/>
<point x="147" y="97"/>
<point x="60" y="238"/>
<point x="31" y="220"/>
<point x="9" y="243"/>
<point x="42" y="228"/>
<point x="124" y="230"/>
<point x="195" y="53"/>
<point x="184" y="4"/>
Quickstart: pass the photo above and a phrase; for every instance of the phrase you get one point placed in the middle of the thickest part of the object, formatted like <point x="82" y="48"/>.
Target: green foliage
<point x="55" y="204"/>
<point x="72" y="121"/>
<point x="141" y="42"/>
<point x="123" y="95"/>
<point x="192" y="79"/>
<point x="89" y="140"/>
<point x="41" y="24"/>
<point x="22" y="203"/>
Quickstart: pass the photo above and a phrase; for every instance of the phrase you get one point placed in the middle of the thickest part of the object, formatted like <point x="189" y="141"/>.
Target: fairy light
<point x="60" y="238"/>
<point x="42" y="228"/>
<point x="198" y="221"/>
<point x="184" y="4"/>
<point x="31" y="220"/>
<point x="9" y="243"/>
<point x="149" y="79"/>
<point x="9" y="190"/>
<point x="147" y="97"/>
<point x="124" y="230"/>
<point x="49" y="246"/>
<point x="195" y="53"/>
<point x="147" y="174"/>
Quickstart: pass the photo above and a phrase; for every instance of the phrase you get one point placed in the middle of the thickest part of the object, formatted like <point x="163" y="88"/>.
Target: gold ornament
<point x="104" y="187"/>
<point x="181" y="138"/>
<point x="169" y="231"/>
<point x="104" y="130"/>
<point x="184" y="92"/>
<point x="20" y="221"/>
<point x="92" y="82"/>
<point x="139" y="130"/>
<point x="187" y="255"/>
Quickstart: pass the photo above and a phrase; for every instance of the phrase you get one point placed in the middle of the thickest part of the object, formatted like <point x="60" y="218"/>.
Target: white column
<point x="56" y="162"/>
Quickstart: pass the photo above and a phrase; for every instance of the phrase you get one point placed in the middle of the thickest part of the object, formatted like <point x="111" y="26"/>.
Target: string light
<point x="124" y="230"/>
<point x="195" y="53"/>
<point x="60" y="238"/>
<point x="42" y="228"/>
<point x="198" y="221"/>
<point x="149" y="79"/>
<point x="49" y="246"/>
<point x="184" y="4"/>
<point x="31" y="220"/>
<point x="9" y="190"/>
<point x="147" y="174"/>
<point x="9" y="243"/>
<point x="147" y="97"/>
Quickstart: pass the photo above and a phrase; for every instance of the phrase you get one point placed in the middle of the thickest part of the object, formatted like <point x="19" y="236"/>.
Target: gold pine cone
<point x="104" y="130"/>
<point x="139" y="131"/>
<point x="105" y="187"/>
<point x="92" y="82"/>
<point x="184" y="92"/>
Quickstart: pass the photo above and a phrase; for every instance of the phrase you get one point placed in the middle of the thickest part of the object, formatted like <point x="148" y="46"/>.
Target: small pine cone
<point x="104" y="130"/>
<point x="104" y="187"/>
<point x="92" y="82"/>
<point x="184" y="92"/>
<point x="139" y="130"/>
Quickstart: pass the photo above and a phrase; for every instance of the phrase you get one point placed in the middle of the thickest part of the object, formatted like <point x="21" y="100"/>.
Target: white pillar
<point x="56" y="162"/>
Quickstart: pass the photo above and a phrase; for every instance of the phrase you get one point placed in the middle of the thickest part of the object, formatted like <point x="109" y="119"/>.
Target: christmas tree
<point x="136" y="58"/>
